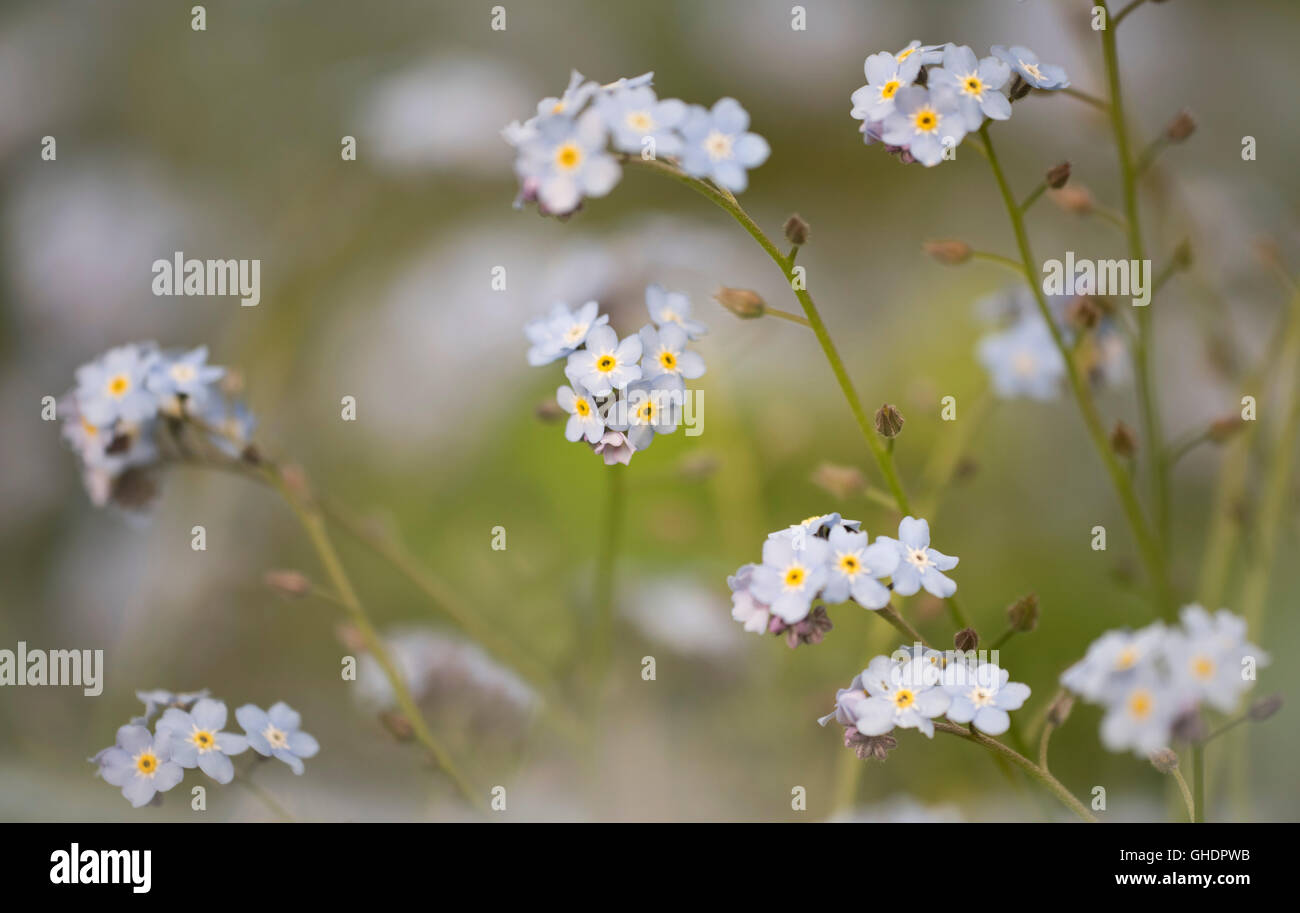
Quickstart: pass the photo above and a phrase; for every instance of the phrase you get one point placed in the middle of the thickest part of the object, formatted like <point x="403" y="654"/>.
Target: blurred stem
<point x="265" y="798"/>
<point x="726" y="201"/>
<point x="1086" y="98"/>
<point x="1040" y="774"/>
<point x="1142" y="351"/>
<point x="1122" y="14"/>
<point x="1152" y="555"/>
<point x="603" y="592"/>
<point x="998" y="259"/>
<point x="313" y="523"/>
<point x="786" y="315"/>
<point x="1186" y="793"/>
<point x="890" y="614"/>
<point x="1198" y="782"/>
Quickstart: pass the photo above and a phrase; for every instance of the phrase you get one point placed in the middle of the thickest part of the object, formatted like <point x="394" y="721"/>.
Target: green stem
<point x="1142" y="351"/>
<point x="1198" y="782"/>
<point x="1004" y="262"/>
<point x="1040" y="774"/>
<point x="1188" y="801"/>
<point x="890" y="614"/>
<point x="786" y="315"/>
<point x="1147" y="545"/>
<point x="265" y="798"/>
<point x="603" y="591"/>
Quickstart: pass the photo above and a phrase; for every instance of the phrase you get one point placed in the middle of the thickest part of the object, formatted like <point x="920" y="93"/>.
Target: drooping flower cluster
<point x="568" y="150"/>
<point x="1022" y="358"/>
<point x="1152" y="682"/>
<point x="922" y="101"/>
<point x="114" y="418"/>
<point x="832" y="559"/>
<point x="915" y="686"/>
<point x="621" y="392"/>
<point x="189" y="734"/>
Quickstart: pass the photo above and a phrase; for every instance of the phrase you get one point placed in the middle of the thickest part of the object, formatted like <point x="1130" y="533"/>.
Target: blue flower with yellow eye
<point x="719" y="146"/>
<point x="636" y="115"/>
<point x="563" y="161"/>
<point x="561" y="331"/>
<point x="920" y="565"/>
<point x="277" y="733"/>
<point x="855" y="568"/>
<point x="140" y="763"/>
<point x="1027" y="65"/>
<point x="885" y="76"/>
<point x="977" y="84"/>
<point x="652" y="406"/>
<point x="925" y="122"/>
<point x="663" y="351"/>
<point x="791" y="576"/>
<point x="197" y="739"/>
<point x="114" y="386"/>
<point x="585" y="420"/>
<point x="667" y="307"/>
<point x="606" y="364"/>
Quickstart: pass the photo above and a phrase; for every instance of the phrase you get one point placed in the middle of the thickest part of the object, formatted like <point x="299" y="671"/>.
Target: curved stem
<point x="1198" y="782"/>
<point x="1152" y="555"/>
<point x="265" y="798"/>
<point x="1188" y="801"/>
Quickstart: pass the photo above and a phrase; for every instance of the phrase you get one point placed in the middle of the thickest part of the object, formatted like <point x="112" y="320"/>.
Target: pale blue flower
<point x="855" y="568"/>
<point x="982" y="695"/>
<point x="667" y="307"/>
<point x="232" y="424"/>
<point x="976" y="83"/>
<point x="565" y="162"/>
<point x="790" y="577"/>
<point x="197" y="739"/>
<point x="578" y="92"/>
<point x="606" y="364"/>
<point x="652" y="406"/>
<point x="919" y="565"/>
<point x="635" y="115"/>
<point x="585" y="420"/>
<point x="928" y="53"/>
<point x="186" y="374"/>
<point x="1205" y="658"/>
<point x="160" y="699"/>
<point x="114" y="386"/>
<point x="1023" y="360"/>
<point x="277" y="734"/>
<point x="889" y="695"/>
<point x="561" y="331"/>
<point x="664" y="351"/>
<point x="140" y="763"/>
<point x="1141" y="716"/>
<point x="925" y="122"/>
<point x="745" y="607"/>
<point x="1114" y="661"/>
<point x="1025" y="62"/>
<point x="874" y="102"/>
<point x="719" y="146"/>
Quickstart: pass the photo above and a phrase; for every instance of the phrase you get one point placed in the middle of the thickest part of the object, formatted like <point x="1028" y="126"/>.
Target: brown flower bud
<point x="949" y="253"/>
<point x="1074" y="198"/>
<point x="1165" y="760"/>
<point x="1221" y="429"/>
<point x="796" y="230"/>
<point x="549" y="410"/>
<point x="1083" y="312"/>
<point x="742" y="302"/>
<point x="397" y="725"/>
<point x="1265" y="707"/>
<point x="1023" y="613"/>
<point x="1059" y="712"/>
<point x="839" y="481"/>
<point x="295" y="479"/>
<point x="1058" y="175"/>
<point x="1123" y="440"/>
<point x="290" y="584"/>
<point x="966" y="639"/>
<point x="1181" y="127"/>
<point x="889" y="421"/>
<point x="350" y="637"/>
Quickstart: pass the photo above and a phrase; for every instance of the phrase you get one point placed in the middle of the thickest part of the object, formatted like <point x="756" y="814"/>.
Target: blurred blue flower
<point x="606" y="364"/>
<point x="855" y="568"/>
<point x="113" y="386"/>
<point x="1205" y="657"/>
<point x="634" y="115"/>
<point x="745" y="608"/>
<point x="1023" y="360"/>
<point x="1025" y="62"/>
<point x="719" y="146"/>
<point x="885" y="76"/>
<point x="160" y="699"/>
<point x="919" y="565"/>
<point x="667" y="307"/>
<point x="561" y="331"/>
<point x="1141" y="717"/>
<point x="140" y="764"/>
<point x="197" y="739"/>
<point x="276" y="733"/>
<point x="564" y="161"/>
<point x="186" y="374"/>
<point x="976" y="83"/>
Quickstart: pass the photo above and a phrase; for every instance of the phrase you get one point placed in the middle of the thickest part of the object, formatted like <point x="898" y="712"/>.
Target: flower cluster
<point x="568" y="150"/>
<point x="189" y="734"/>
<point x="833" y="559"/>
<point x="1152" y="682"/>
<point x="913" y="687"/>
<point x="622" y="392"/>
<point x="1022" y="358"/>
<point x="123" y="400"/>
<point x="923" y="100"/>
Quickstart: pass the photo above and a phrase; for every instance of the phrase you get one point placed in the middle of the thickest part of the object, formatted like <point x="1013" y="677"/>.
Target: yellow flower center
<point x="1127" y="657"/>
<point x="183" y="373"/>
<point x="904" y="54"/>
<point x="1023" y="364"/>
<point x="640" y="120"/>
<point x="926" y="120"/>
<point x="1140" y="703"/>
<point x="118" y="385"/>
<point x="581" y="407"/>
<point x="848" y="563"/>
<point x="889" y="88"/>
<point x="903" y="698"/>
<point x="1203" y="667"/>
<point x="88" y="429"/>
<point x="795" y="575"/>
<point x="973" y="85"/>
<point x="646" y="411"/>
<point x="146" y="762"/>
<point x="203" y="739"/>
<point x="667" y="360"/>
<point x="606" y="363"/>
<point x="568" y="156"/>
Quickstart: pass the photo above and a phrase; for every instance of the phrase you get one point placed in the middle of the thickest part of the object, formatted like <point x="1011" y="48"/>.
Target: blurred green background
<point x="375" y="284"/>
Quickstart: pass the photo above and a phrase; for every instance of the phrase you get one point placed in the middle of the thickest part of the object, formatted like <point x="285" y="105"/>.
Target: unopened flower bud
<point x="1165" y="760"/>
<point x="949" y="253"/>
<point x="796" y="230"/>
<point x="742" y="302"/>
<point x="549" y="411"/>
<point x="1182" y="255"/>
<point x="966" y="639"/>
<point x="295" y="480"/>
<point x="1221" y="429"/>
<point x="1083" y="312"/>
<point x="1074" y="198"/>
<point x="290" y="584"/>
<point x="1123" y="440"/>
<point x="889" y="421"/>
<point x="1023" y="613"/>
<point x="1181" y="127"/>
<point x="1059" y="712"/>
<point x="1265" y="707"/>
<point x="397" y="724"/>
<point x="1058" y="175"/>
<point x="840" y="482"/>
<point x="351" y="638"/>
<point x="1019" y="88"/>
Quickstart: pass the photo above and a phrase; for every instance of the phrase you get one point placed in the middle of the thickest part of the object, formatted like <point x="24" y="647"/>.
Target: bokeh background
<point x="375" y="284"/>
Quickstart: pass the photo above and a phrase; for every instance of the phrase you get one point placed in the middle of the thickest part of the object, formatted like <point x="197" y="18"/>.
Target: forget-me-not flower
<point x="919" y="565"/>
<point x="719" y="146"/>
<point x="185" y="374"/>
<point x="197" y="739"/>
<point x="745" y="608"/>
<point x="1023" y="360"/>
<point x="925" y="122"/>
<point x="1114" y="661"/>
<point x="1205" y="657"/>
<point x="140" y="763"/>
<point x="651" y="406"/>
<point x="585" y="420"/>
<point x="606" y="364"/>
<point x="790" y="577"/>
<point x="981" y="695"/>
<point x="561" y="331"/>
<point x="576" y="94"/>
<point x="160" y="699"/>
<point x="276" y="733"/>
<point x="904" y="695"/>
<point x="976" y="83"/>
<point x="1141" y="717"/>
<point x="663" y="351"/>
<point x="113" y="386"/>
<point x="927" y="53"/>
<point x="635" y="115"/>
<point x="1026" y="63"/>
<point x="885" y="76"/>
<point x="855" y="567"/>
<point x="674" y="308"/>
<point x="565" y="161"/>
